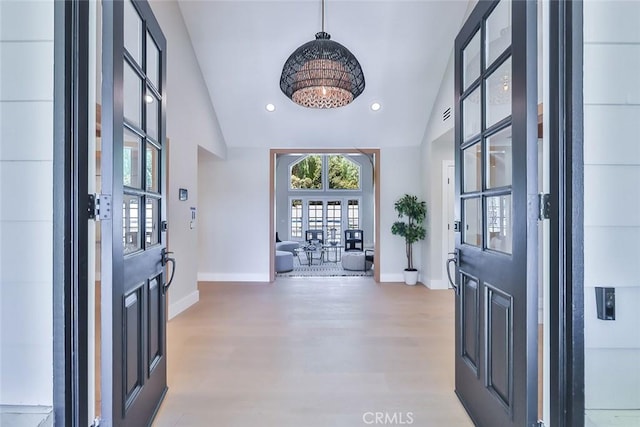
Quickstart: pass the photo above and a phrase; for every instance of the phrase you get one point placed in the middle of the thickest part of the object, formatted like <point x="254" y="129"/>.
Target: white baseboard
<point x="182" y="304"/>
<point x="436" y="284"/>
<point x="394" y="277"/>
<point x="232" y="277"/>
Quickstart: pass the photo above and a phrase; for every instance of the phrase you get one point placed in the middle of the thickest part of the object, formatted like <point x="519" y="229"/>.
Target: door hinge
<point x="540" y="423"/>
<point x="96" y="422"/>
<point x="544" y="206"/>
<point x="99" y="206"/>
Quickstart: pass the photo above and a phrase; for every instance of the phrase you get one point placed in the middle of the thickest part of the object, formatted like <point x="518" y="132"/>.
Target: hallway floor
<point x="313" y="353"/>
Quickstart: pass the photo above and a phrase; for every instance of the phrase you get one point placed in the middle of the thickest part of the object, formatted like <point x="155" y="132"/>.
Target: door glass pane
<point x="472" y="168"/>
<point x="334" y="221"/>
<point x="131" y="159"/>
<point x="499" y="159"/>
<point x="498" y="31"/>
<point x="151" y="222"/>
<point x="152" y="105"/>
<point x="471" y="114"/>
<point x="131" y="223"/>
<point x="472" y="222"/>
<point x="498" y="90"/>
<point x="153" y="62"/>
<point x="499" y="230"/>
<point x="471" y="61"/>
<point x="315" y="215"/>
<point x="353" y="214"/>
<point x="133" y="32"/>
<point x="132" y="95"/>
<point x="152" y="170"/>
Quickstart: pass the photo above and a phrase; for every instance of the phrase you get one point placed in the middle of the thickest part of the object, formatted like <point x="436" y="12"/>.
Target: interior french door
<point x="133" y="239"/>
<point x="496" y="201"/>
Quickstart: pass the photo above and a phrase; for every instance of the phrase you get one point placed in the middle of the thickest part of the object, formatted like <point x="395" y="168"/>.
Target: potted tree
<point x="412" y="230"/>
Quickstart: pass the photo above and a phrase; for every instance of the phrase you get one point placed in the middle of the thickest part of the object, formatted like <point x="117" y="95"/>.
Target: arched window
<point x="344" y="174"/>
<point x="307" y="173"/>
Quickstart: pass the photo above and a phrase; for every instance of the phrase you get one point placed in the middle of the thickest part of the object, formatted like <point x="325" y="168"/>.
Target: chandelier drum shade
<point x="322" y="73"/>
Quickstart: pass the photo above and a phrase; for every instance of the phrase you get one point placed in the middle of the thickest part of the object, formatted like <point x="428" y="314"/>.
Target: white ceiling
<point x="403" y="47"/>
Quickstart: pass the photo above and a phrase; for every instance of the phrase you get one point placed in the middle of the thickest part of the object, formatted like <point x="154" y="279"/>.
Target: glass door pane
<point x="472" y="222"/>
<point x="472" y="168"/>
<point x="499" y="227"/>
<point x="498" y="31"/>
<point x="315" y="215"/>
<point x="499" y="159"/>
<point x="498" y="94"/>
<point x="334" y="221"/>
<point x="471" y="61"/>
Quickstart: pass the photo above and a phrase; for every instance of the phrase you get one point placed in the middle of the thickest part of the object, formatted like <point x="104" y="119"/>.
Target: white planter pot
<point x="411" y="277"/>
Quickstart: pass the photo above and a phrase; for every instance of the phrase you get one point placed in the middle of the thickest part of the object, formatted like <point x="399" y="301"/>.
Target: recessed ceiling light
<point x="148" y="99"/>
<point x="376" y="106"/>
<point x="270" y="108"/>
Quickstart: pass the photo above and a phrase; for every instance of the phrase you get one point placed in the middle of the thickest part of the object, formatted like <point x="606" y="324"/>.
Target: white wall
<point x="612" y="201"/>
<point x="191" y="123"/>
<point x="399" y="174"/>
<point x="433" y="155"/>
<point x="437" y="146"/>
<point x="26" y="197"/>
<point x="233" y="218"/>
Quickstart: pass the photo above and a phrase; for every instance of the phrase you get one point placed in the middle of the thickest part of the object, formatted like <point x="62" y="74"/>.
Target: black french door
<point x="134" y="370"/>
<point x="496" y="206"/>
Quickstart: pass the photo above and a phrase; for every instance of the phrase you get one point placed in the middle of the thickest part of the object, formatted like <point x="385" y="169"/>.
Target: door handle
<point x="165" y="260"/>
<point x="452" y="259"/>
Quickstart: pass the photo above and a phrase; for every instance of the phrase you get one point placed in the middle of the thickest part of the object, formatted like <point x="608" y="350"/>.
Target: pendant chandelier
<point x="322" y="73"/>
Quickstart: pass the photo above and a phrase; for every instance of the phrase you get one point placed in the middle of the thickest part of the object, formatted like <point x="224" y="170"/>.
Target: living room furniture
<point x="314" y="236"/>
<point x="353" y="240"/>
<point x="284" y="261"/>
<point x="355" y="261"/>
<point x="287" y="245"/>
<point x="311" y="252"/>
<point x="335" y="249"/>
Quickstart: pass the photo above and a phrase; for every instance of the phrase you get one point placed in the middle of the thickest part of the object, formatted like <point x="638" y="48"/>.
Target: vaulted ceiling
<point x="403" y="47"/>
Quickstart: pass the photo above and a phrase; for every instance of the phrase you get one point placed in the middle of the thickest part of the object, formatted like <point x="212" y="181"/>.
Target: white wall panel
<point x="29" y="197"/>
<point x="612" y="256"/>
<point x="26" y="191"/>
<point x="30" y="76"/>
<point x="612" y="195"/>
<point x="26" y="251"/>
<point x="612" y="134"/>
<point x="612" y="201"/>
<point x="20" y="138"/>
<point x="611" y="378"/>
<point x="611" y="74"/>
<point x="612" y="21"/>
<point x="26" y="20"/>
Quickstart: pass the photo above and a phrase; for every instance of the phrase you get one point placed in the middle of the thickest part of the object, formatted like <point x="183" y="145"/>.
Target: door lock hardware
<point x="165" y="260"/>
<point x="454" y="258"/>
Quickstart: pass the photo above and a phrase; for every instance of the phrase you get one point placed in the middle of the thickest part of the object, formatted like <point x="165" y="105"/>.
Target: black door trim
<point x="567" y="224"/>
<point x="70" y="215"/>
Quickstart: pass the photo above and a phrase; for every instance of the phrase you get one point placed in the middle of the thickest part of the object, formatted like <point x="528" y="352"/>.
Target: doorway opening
<point x="324" y="213"/>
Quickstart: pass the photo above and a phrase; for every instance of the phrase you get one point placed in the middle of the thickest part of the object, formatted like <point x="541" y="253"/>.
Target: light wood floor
<point x="312" y="353"/>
